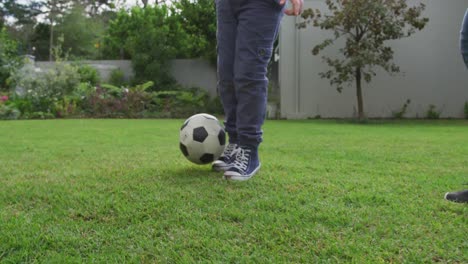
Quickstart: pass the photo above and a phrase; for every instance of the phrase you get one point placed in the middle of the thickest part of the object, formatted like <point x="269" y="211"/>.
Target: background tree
<point x="55" y="10"/>
<point x="367" y="26"/>
<point x="151" y="37"/>
<point x="40" y="41"/>
<point x="81" y="33"/>
<point x="96" y="7"/>
<point x="20" y="18"/>
<point x="146" y="3"/>
<point x="20" y="13"/>
<point x="198" y="19"/>
<point x="8" y="57"/>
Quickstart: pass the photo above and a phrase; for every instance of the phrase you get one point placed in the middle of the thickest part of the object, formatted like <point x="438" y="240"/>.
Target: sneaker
<point x="224" y="161"/>
<point x="458" y="197"/>
<point x="244" y="166"/>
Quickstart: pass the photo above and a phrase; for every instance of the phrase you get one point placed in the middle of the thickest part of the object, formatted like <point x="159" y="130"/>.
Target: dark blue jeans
<point x="464" y="39"/>
<point x="246" y="32"/>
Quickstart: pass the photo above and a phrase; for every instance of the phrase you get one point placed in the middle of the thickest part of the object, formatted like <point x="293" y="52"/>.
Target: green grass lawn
<point x="118" y="191"/>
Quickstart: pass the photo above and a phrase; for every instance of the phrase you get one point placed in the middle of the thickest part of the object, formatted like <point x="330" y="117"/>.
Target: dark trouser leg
<point x="256" y="32"/>
<point x="464" y="39"/>
<point x="226" y="37"/>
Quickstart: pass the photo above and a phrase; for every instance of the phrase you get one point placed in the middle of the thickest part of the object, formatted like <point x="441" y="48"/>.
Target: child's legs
<point x="464" y="39"/>
<point x="256" y="32"/>
<point x="226" y="37"/>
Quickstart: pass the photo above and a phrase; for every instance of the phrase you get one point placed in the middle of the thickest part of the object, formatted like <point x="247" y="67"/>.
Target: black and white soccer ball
<point x="202" y="139"/>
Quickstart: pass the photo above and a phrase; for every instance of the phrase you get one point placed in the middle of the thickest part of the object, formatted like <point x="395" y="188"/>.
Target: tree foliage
<point x="198" y="19"/>
<point x="21" y="13"/>
<point x="95" y="7"/>
<point x="78" y="39"/>
<point x="367" y="26"/>
<point x="151" y="37"/>
<point x="8" y="57"/>
<point x="19" y="18"/>
<point x="40" y="41"/>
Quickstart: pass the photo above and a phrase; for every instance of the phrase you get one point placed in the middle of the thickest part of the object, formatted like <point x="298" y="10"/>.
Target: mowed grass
<point x="115" y="191"/>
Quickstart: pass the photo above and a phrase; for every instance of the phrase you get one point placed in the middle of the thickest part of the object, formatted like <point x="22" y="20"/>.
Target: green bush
<point x="43" y="89"/>
<point x="199" y="21"/>
<point x="88" y="74"/>
<point x="138" y="102"/>
<point x="117" y="78"/>
<point x="9" y="112"/>
<point x="185" y="102"/>
<point x="33" y="100"/>
<point x="401" y="113"/>
<point x="83" y="90"/>
<point x="24" y="105"/>
<point x="8" y="58"/>
<point x="152" y="36"/>
<point x="432" y="112"/>
<point x="68" y="106"/>
<point x="112" y="101"/>
<point x="62" y="80"/>
<point x="39" y="115"/>
<point x="215" y="107"/>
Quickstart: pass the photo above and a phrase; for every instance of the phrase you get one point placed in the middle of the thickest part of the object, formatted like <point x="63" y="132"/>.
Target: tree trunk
<point x="51" y="40"/>
<point x="359" y="94"/>
<point x="122" y="53"/>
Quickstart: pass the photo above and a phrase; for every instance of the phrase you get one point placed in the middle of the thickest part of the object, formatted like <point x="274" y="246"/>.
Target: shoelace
<point x="229" y="150"/>
<point x="242" y="159"/>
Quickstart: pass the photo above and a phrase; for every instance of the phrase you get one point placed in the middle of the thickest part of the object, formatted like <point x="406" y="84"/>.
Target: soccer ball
<point x="202" y="139"/>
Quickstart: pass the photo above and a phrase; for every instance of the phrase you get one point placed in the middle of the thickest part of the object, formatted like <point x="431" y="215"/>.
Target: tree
<point x="40" y="41"/>
<point x="55" y="9"/>
<point x="78" y="39"/>
<point x="146" y="3"/>
<point x="95" y="7"/>
<point x="8" y="56"/>
<point x="21" y="13"/>
<point x="151" y="37"/>
<point x="367" y="26"/>
<point x="198" y="19"/>
<point x="20" y="18"/>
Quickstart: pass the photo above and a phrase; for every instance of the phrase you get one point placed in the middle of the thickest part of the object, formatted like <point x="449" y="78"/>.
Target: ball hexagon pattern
<point x="202" y="139"/>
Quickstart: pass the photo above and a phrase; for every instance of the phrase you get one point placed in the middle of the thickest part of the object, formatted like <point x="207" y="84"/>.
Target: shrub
<point x="39" y="115"/>
<point x="66" y="107"/>
<point x="9" y="112"/>
<point x="88" y="74"/>
<point x="62" y="80"/>
<point x="22" y="104"/>
<point x="215" y="106"/>
<point x="401" y="113"/>
<point x="130" y="105"/>
<point x="83" y="90"/>
<point x="432" y="112"/>
<point x="43" y="89"/>
<point x="117" y="78"/>
<point x="8" y="57"/>
<point x="136" y="102"/>
<point x="183" y="103"/>
<point x="152" y="37"/>
<point x="112" y="101"/>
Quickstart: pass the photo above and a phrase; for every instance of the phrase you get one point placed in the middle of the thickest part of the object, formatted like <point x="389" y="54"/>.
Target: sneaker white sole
<point x="234" y="176"/>
<point x="445" y="196"/>
<point x="220" y="168"/>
